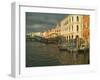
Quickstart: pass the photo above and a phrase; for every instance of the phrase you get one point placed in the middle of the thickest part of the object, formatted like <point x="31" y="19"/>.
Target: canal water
<point x="41" y="54"/>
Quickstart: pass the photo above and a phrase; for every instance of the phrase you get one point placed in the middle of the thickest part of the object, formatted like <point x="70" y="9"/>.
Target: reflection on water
<point x="40" y="54"/>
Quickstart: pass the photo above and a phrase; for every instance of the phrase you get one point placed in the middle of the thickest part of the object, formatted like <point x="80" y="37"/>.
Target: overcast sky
<point x="39" y="22"/>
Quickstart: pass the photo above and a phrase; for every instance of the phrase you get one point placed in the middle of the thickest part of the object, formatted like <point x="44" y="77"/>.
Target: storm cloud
<point x="38" y="22"/>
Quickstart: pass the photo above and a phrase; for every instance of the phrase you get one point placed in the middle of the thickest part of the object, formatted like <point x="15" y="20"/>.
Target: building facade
<point x="76" y="27"/>
<point x="71" y="27"/>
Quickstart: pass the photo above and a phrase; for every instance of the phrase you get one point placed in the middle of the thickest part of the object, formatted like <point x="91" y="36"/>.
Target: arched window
<point x="72" y="36"/>
<point x="69" y="37"/>
<point x="72" y="27"/>
<point x="77" y="37"/>
<point x="77" y="18"/>
<point x="72" y="18"/>
<point x="77" y="28"/>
